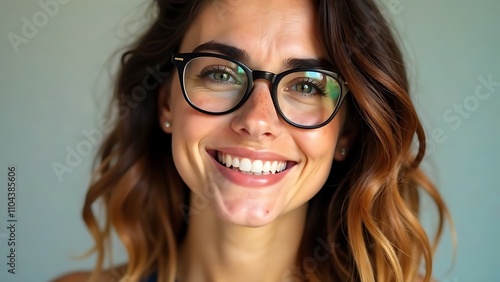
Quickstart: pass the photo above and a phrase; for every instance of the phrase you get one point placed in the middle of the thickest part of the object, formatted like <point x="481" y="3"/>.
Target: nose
<point x="257" y="118"/>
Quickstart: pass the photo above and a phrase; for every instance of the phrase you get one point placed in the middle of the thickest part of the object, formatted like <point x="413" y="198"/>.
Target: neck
<point x="219" y="251"/>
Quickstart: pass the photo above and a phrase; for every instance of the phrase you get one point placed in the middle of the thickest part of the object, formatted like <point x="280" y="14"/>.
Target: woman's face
<point x="270" y="32"/>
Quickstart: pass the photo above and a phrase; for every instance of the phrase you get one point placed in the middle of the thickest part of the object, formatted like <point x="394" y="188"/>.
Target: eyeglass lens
<point x="304" y="97"/>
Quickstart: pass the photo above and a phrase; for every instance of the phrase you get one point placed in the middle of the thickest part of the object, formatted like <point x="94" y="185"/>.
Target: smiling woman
<point x="279" y="148"/>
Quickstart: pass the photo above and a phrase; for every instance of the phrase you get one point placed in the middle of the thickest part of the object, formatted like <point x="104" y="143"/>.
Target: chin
<point x="248" y="213"/>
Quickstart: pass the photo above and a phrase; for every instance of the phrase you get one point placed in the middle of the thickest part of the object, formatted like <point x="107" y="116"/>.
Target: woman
<point x="276" y="147"/>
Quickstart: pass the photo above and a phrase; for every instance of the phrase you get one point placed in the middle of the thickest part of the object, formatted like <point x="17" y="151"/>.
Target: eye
<point x="220" y="74"/>
<point x="303" y="88"/>
<point x="307" y="86"/>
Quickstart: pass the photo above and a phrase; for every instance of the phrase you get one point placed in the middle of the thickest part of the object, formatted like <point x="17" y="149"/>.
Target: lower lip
<point x="254" y="181"/>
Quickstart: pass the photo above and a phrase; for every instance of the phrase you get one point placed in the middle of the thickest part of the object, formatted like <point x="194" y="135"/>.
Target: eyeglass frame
<point x="181" y="60"/>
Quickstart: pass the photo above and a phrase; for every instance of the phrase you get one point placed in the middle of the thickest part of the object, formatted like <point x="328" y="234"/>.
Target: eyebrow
<point x="308" y="63"/>
<point x="230" y="51"/>
<point x="242" y="55"/>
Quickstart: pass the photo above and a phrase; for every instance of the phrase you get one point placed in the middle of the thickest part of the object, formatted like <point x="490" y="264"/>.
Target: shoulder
<point x="110" y="275"/>
<point x="81" y="276"/>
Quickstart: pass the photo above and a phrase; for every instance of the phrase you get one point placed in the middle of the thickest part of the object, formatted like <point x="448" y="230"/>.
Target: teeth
<point x="273" y="167"/>
<point x="257" y="166"/>
<point x="247" y="166"/>
<point x="267" y="167"/>
<point x="236" y="162"/>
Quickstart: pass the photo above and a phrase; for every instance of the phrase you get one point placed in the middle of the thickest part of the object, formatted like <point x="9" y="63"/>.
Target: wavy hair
<point x="371" y="228"/>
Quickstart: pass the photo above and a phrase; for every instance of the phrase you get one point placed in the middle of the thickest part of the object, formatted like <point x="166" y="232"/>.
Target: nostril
<point x="245" y="131"/>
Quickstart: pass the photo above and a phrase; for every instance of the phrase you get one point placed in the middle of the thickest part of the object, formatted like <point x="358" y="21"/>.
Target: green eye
<point x="222" y="76"/>
<point x="304" y="88"/>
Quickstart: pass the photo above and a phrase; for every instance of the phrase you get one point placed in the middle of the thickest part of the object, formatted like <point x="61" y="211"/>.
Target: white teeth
<point x="257" y="166"/>
<point x="273" y="167"/>
<point x="267" y="167"/>
<point x="247" y="166"/>
<point x="236" y="162"/>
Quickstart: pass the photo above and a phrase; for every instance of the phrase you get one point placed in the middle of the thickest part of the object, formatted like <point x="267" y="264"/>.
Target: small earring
<point x="167" y="124"/>
<point x="343" y="151"/>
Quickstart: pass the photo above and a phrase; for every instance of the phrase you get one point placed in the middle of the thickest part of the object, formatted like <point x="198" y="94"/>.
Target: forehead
<point x="268" y="31"/>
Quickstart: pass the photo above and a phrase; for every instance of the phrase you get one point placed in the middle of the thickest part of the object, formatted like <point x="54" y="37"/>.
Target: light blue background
<point x="57" y="86"/>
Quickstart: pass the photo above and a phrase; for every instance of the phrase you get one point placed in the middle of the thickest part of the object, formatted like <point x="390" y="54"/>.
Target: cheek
<point x="188" y="124"/>
<point x="188" y="129"/>
<point x="319" y="144"/>
<point x="318" y="147"/>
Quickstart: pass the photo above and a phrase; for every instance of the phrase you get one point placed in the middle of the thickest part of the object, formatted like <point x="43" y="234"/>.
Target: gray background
<point x="56" y="85"/>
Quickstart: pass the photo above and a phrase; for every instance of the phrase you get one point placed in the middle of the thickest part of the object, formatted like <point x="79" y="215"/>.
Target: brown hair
<point x="371" y="231"/>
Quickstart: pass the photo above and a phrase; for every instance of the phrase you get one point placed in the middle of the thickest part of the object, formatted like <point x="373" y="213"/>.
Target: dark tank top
<point x="153" y="278"/>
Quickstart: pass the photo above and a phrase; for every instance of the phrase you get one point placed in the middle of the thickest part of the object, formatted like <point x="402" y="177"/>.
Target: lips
<point x="251" y="166"/>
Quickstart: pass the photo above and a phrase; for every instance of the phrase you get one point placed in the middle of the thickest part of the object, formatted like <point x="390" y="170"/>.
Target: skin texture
<point x="233" y="229"/>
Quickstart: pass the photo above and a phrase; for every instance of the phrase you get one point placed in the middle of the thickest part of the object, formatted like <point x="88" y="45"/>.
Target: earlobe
<point x="345" y="141"/>
<point x="341" y="154"/>
<point x="164" y="112"/>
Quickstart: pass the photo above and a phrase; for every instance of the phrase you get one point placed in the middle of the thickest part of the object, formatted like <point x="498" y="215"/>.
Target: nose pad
<point x="257" y="117"/>
<point x="269" y="76"/>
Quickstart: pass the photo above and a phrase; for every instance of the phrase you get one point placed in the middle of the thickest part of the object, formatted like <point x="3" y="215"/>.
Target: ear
<point x="347" y="135"/>
<point x="165" y="116"/>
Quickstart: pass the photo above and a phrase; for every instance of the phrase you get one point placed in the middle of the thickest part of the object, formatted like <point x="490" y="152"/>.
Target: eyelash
<point x="315" y="84"/>
<point x="208" y="70"/>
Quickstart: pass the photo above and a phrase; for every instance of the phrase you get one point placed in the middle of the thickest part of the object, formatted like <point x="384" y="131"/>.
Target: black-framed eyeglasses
<point x="215" y="84"/>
